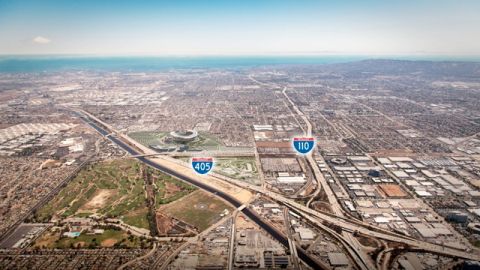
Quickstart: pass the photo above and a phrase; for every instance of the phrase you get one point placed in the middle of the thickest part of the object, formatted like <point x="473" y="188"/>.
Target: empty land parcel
<point x="199" y="209"/>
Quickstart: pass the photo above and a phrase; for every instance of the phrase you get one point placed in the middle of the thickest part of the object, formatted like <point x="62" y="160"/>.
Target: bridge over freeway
<point x="312" y="262"/>
<point x="219" y="154"/>
<point x="315" y="217"/>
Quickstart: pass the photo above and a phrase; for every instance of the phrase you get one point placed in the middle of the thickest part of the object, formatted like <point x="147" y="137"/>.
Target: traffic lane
<point x="249" y="213"/>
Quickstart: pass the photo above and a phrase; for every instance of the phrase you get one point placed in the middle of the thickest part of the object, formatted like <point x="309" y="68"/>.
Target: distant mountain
<point x="459" y="70"/>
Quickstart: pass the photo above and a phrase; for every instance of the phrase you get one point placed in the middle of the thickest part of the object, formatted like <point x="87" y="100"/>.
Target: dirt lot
<point x="99" y="199"/>
<point x="199" y="209"/>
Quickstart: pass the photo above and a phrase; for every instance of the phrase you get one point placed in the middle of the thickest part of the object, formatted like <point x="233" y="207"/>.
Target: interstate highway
<point x="311" y="215"/>
<point x="315" y="264"/>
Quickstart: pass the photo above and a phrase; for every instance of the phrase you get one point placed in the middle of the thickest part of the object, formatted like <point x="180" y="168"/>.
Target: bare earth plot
<point x="199" y="209"/>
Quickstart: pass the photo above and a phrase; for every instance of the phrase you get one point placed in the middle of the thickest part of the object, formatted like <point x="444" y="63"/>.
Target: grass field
<point x="148" y="137"/>
<point x="110" y="238"/>
<point x="112" y="189"/>
<point x="204" y="141"/>
<point x="169" y="189"/>
<point x="137" y="218"/>
<point x="199" y="209"/>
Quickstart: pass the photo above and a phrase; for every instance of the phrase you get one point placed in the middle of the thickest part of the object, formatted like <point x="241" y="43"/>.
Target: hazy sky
<point x="240" y="27"/>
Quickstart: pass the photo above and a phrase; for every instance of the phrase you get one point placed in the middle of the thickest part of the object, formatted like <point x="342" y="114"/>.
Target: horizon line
<point x="279" y="54"/>
<point x="379" y="55"/>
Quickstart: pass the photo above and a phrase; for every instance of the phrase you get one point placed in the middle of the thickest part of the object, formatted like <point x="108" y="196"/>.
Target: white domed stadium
<point x="184" y="135"/>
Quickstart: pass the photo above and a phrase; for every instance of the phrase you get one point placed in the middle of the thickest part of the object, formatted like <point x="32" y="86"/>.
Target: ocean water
<point x="26" y="64"/>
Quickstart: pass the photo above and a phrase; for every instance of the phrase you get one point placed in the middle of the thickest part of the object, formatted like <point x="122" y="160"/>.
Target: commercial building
<point x="291" y="179"/>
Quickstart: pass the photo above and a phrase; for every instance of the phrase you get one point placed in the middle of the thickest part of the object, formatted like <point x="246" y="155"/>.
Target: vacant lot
<point x="199" y="209"/>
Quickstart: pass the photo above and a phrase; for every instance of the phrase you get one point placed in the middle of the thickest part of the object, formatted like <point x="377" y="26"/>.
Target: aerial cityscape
<point x="339" y="161"/>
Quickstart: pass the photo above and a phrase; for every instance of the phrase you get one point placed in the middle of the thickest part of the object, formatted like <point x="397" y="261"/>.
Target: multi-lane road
<point x="318" y="218"/>
<point x="104" y="130"/>
<point x="338" y="218"/>
<point x="361" y="258"/>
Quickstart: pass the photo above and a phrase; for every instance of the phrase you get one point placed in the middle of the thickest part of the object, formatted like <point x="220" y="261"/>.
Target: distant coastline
<point x="56" y="63"/>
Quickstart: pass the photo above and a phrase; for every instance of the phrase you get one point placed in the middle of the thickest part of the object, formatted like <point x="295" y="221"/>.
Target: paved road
<point x="192" y="240"/>
<point x="291" y="241"/>
<point x="361" y="227"/>
<point x="232" y="242"/>
<point x="316" y="217"/>
<point x="362" y="259"/>
<point x="233" y="153"/>
<point x="45" y="199"/>
<point x="129" y="263"/>
<point x="247" y="211"/>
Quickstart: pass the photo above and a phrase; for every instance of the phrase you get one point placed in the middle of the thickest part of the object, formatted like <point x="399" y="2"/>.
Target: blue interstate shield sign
<point x="303" y="145"/>
<point x="202" y="165"/>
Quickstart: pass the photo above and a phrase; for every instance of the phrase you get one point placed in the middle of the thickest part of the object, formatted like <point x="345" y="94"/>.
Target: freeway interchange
<point x="349" y="227"/>
<point x="93" y="122"/>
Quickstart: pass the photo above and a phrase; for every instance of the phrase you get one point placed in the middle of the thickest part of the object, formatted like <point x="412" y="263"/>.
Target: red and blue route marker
<point x="202" y="165"/>
<point x="303" y="145"/>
